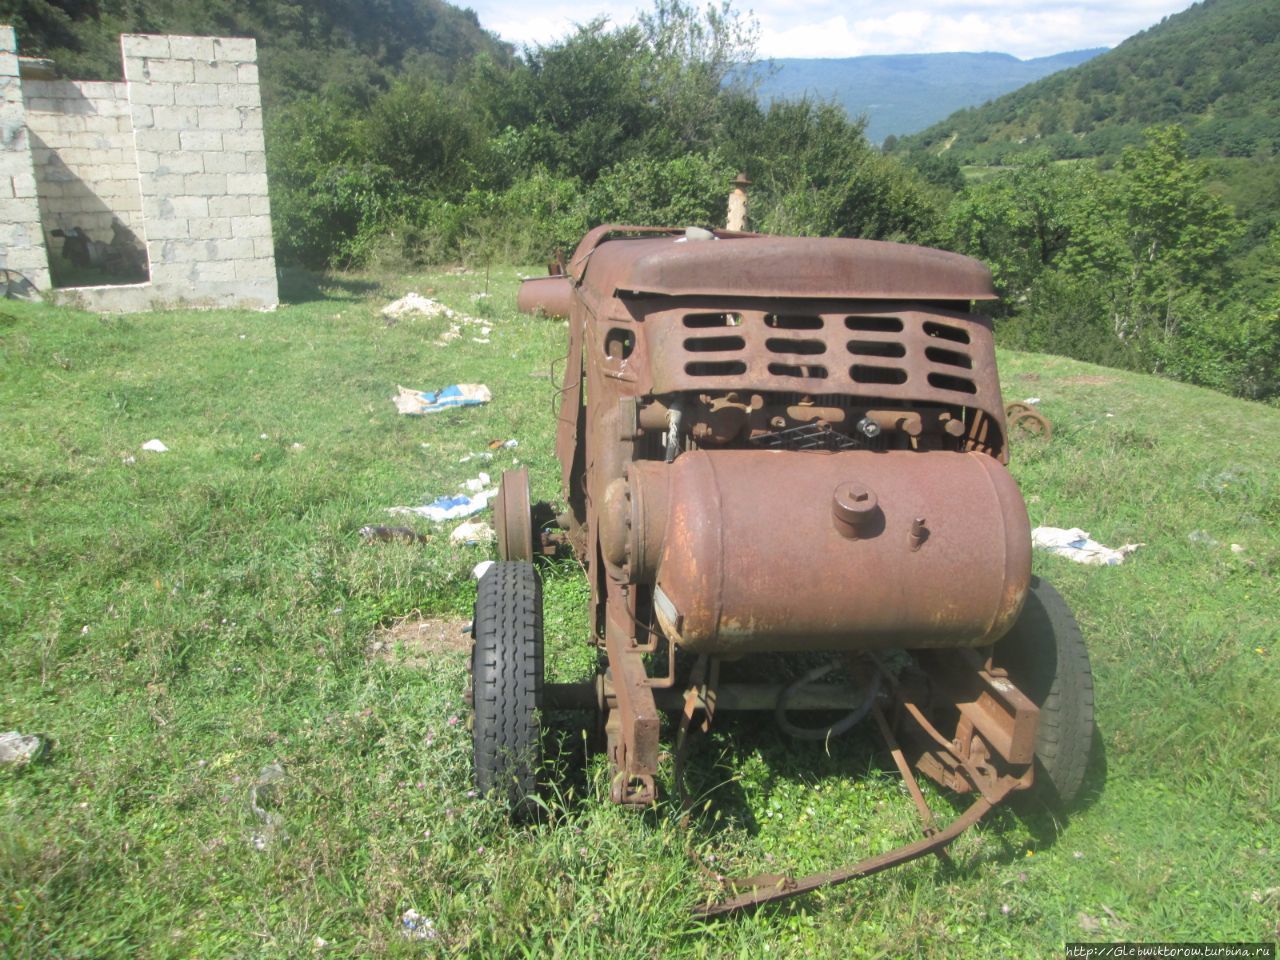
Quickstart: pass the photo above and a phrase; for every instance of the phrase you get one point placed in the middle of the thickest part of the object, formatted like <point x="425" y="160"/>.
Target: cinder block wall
<point x="176" y="152"/>
<point x="21" y="241"/>
<point x="197" y="120"/>
<point x="82" y="149"/>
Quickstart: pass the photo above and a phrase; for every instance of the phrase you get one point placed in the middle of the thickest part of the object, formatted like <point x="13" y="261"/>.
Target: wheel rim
<point x="513" y="516"/>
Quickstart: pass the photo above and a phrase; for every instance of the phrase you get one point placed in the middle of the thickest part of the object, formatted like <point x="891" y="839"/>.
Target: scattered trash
<point x="448" y="508"/>
<point x="473" y="533"/>
<point x="1031" y="401"/>
<point x="503" y="444"/>
<point x="481" y="568"/>
<point x="476" y="483"/>
<point x="412" y="303"/>
<point x="417" y="402"/>
<point x="484" y="456"/>
<point x="18" y="749"/>
<point x="1202" y="537"/>
<point x="406" y="534"/>
<point x="296" y="447"/>
<point x="155" y="446"/>
<point x="414" y="926"/>
<point x="264" y="794"/>
<point x="129" y="460"/>
<point x="262" y="436"/>
<point x="1075" y="544"/>
<point x="1237" y="549"/>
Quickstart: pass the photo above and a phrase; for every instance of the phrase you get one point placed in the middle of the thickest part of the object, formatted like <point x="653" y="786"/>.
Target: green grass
<point x="176" y="623"/>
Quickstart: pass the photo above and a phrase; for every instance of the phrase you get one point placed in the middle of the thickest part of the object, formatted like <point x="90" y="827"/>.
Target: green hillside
<point x="1214" y="69"/>
<point x="304" y="46"/>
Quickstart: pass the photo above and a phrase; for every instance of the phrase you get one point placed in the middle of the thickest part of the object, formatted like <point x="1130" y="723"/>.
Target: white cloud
<point x="826" y="28"/>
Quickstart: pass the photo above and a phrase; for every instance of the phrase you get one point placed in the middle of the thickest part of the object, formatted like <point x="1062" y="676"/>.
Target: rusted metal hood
<point x="807" y="267"/>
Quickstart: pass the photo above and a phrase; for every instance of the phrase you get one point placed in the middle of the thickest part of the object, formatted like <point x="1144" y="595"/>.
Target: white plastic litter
<point x="417" y="402"/>
<point x="414" y="926"/>
<point x="476" y="483"/>
<point x="1031" y="401"/>
<point x="473" y="533"/>
<point x="1075" y="544"/>
<point x="18" y="749"/>
<point x="449" y="508"/>
<point x="155" y="446"/>
<point x="481" y="568"/>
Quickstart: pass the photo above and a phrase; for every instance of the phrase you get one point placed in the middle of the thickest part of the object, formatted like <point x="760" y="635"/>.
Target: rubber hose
<point x="836" y="729"/>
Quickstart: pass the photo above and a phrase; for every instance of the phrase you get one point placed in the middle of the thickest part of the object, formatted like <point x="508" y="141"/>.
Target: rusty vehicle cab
<point x="783" y="445"/>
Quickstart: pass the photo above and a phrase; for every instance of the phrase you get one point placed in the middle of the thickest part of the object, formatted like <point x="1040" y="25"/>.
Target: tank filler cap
<point x="854" y="507"/>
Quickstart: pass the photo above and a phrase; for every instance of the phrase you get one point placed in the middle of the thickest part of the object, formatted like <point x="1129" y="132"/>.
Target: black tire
<point x="1047" y="660"/>
<point x="506" y="684"/>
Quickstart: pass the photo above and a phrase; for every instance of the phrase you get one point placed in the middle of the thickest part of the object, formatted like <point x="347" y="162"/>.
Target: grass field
<point x="174" y="623"/>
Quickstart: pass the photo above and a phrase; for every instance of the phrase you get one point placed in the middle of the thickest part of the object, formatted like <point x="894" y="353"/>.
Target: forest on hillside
<point x="470" y="151"/>
<point x="1214" y="69"/>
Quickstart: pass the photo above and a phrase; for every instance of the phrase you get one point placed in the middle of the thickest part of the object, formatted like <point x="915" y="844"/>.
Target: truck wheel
<point x="506" y="679"/>
<point x="1047" y="660"/>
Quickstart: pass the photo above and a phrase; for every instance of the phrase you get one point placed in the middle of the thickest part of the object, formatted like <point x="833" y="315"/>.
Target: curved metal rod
<point x="767" y="889"/>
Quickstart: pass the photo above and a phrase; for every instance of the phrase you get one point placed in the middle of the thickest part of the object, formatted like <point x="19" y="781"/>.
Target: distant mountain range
<point x="904" y="93"/>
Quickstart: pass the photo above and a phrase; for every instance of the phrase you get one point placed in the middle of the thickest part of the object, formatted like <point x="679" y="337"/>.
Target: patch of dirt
<point x="415" y="641"/>
<point x="1087" y="380"/>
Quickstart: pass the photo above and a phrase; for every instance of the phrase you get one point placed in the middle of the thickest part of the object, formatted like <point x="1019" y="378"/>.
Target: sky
<point x="827" y="28"/>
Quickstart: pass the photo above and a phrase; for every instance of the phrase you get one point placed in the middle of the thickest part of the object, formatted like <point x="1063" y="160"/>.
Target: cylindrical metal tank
<point x="552" y="296"/>
<point x="777" y="550"/>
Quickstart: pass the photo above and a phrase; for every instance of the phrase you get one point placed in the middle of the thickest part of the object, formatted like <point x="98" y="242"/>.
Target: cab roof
<point x="620" y="260"/>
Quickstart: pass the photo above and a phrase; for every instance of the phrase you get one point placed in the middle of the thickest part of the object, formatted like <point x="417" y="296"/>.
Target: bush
<point x="691" y="190"/>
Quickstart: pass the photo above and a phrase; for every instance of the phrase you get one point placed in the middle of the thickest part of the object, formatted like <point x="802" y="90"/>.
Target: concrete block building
<point x="171" y="159"/>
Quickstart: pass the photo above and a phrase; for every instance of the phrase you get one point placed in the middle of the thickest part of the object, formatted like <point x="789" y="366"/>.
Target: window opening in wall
<point x="77" y="259"/>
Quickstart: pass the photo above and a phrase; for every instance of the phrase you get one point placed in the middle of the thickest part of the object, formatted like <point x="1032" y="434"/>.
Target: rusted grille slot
<point x="804" y="347"/>
<point x="714" y="344"/>
<point x="808" y="372"/>
<point x="863" y="373"/>
<point x="876" y="348"/>
<point x="715" y="368"/>
<point x="786" y="321"/>
<point x="949" y="357"/>
<point x="942" y="330"/>
<point x="946" y="382"/>
<point x="697" y="320"/>
<point x="874" y="324"/>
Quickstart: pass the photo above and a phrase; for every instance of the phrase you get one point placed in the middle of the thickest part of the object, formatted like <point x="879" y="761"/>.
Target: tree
<point x="1179" y="235"/>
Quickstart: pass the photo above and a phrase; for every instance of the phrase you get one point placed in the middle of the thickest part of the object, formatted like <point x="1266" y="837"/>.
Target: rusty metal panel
<point x="811" y="267"/>
<point x="914" y="353"/>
